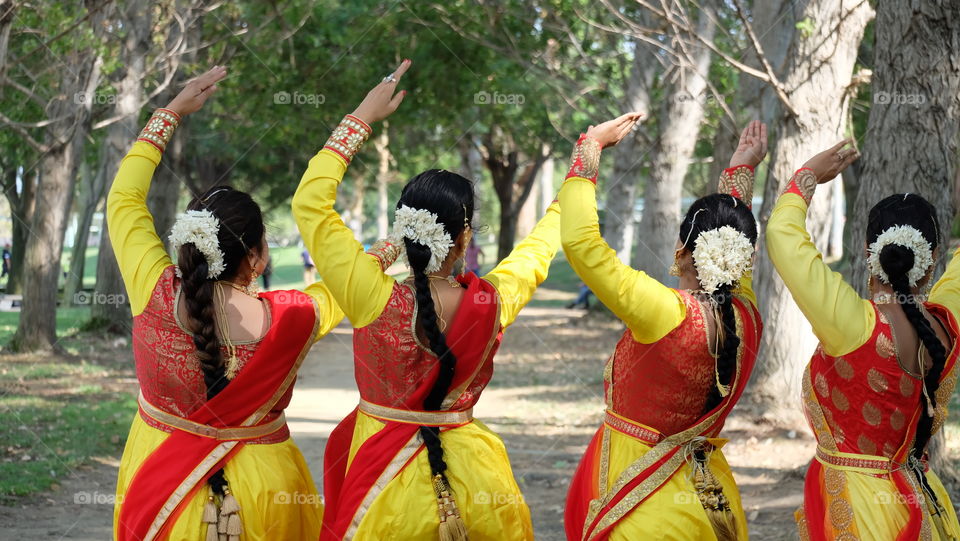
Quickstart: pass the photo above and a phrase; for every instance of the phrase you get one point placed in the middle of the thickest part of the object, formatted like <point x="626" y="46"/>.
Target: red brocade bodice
<point x="868" y="401"/>
<point x="167" y="367"/>
<point x="394" y="368"/>
<point x="664" y="385"/>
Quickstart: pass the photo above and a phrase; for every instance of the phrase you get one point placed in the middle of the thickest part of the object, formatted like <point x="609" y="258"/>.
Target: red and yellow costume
<point x="377" y="480"/>
<point x="862" y="405"/>
<point x="636" y="480"/>
<point x="179" y="438"/>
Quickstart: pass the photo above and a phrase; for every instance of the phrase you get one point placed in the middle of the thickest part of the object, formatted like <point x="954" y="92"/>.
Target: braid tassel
<point x="714" y="502"/>
<point x="451" y="527"/>
<point x="210" y="517"/>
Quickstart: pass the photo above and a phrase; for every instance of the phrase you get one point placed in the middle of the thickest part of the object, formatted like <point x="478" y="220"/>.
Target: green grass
<point x="44" y="439"/>
<point x="69" y="320"/>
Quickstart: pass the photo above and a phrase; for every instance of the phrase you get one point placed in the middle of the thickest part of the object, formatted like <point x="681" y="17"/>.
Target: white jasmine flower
<point x="199" y="227"/>
<point x="722" y="256"/>
<point x="422" y="226"/>
<point x="908" y="237"/>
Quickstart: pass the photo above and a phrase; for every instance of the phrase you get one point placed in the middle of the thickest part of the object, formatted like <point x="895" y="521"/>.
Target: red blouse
<point x="394" y="369"/>
<point x="664" y="385"/>
<point x="167" y="367"/>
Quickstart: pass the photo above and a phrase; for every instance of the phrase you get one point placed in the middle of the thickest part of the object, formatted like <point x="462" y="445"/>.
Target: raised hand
<point x="752" y="148"/>
<point x="831" y="162"/>
<point x="613" y="131"/>
<point x="196" y="91"/>
<point x="383" y="100"/>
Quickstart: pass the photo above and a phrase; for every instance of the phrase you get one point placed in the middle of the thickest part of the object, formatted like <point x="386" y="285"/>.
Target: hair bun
<point x="896" y="260"/>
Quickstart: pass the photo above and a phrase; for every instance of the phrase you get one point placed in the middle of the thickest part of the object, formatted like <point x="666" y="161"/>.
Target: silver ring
<point x="390" y="79"/>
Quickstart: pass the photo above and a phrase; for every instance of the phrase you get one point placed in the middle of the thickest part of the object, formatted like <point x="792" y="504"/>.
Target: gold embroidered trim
<point x="805" y="182"/>
<point x="207" y="431"/>
<point x="159" y="129"/>
<point x="632" y="429"/>
<point x="738" y="183"/>
<point x="391" y="471"/>
<point x="348" y="137"/>
<point x="585" y="161"/>
<point x="424" y="418"/>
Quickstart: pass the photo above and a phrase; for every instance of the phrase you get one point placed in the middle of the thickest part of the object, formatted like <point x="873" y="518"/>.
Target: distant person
<point x="583" y="299"/>
<point x="473" y="256"/>
<point x="267" y="272"/>
<point x="309" y="268"/>
<point x="7" y="260"/>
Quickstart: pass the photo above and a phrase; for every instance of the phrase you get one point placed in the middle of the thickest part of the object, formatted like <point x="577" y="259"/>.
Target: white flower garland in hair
<point x="722" y="256"/>
<point x="908" y="237"/>
<point x="422" y="226"/>
<point x="199" y="227"/>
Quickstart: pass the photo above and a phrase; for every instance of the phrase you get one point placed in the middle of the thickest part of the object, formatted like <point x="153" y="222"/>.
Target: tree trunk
<point x="382" y="146"/>
<point x="819" y="62"/>
<point x="91" y="189"/>
<point x="135" y="18"/>
<point x="681" y="117"/>
<point x="620" y="191"/>
<point x="65" y="137"/>
<point x="911" y="141"/>
<point x="548" y="192"/>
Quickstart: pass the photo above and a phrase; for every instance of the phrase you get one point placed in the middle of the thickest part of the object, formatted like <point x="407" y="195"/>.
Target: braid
<point x="727" y="353"/>
<point x="418" y="256"/>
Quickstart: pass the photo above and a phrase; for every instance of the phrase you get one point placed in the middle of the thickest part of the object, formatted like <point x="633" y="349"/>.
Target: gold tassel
<point x="222" y="524"/>
<point x="212" y="534"/>
<point x="223" y="537"/>
<point x="234" y="527"/>
<point x="209" y="511"/>
<point x="714" y="502"/>
<point x="451" y="526"/>
<point x="229" y="505"/>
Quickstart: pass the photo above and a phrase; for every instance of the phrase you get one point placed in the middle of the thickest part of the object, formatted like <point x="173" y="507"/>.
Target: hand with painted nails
<point x="752" y="148"/>
<point x="831" y="162"/>
<point x="384" y="99"/>
<point x="613" y="131"/>
<point x="196" y="91"/>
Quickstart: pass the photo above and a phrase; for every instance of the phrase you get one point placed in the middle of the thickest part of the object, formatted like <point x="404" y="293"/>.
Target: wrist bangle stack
<point x="159" y="129"/>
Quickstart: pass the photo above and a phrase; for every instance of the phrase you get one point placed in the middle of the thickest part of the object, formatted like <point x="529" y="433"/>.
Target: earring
<point x="869" y="283"/>
<point x="253" y="287"/>
<point x="675" y="268"/>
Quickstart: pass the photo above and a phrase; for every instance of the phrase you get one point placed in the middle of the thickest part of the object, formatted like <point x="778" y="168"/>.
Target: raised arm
<point x="738" y="180"/>
<point x="355" y="280"/>
<point x="519" y="274"/>
<point x="840" y="318"/>
<point x="947" y="289"/>
<point x="139" y="251"/>
<point x="648" y="308"/>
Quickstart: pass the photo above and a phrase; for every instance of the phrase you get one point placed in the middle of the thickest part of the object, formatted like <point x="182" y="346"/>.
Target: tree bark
<point x="382" y="146"/>
<point x="91" y="190"/>
<point x="135" y="18"/>
<point x="21" y="205"/>
<point x="912" y="131"/>
<point x="628" y="156"/>
<point x="64" y="138"/>
<point x="818" y="67"/>
<point x="680" y="118"/>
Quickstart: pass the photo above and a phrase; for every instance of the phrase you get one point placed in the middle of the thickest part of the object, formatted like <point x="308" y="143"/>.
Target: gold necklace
<point x="233" y="363"/>
<point x="251" y="289"/>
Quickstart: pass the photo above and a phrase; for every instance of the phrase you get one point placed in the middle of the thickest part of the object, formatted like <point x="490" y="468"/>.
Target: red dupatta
<point x="179" y="466"/>
<point x="349" y="491"/>
<point x="592" y="514"/>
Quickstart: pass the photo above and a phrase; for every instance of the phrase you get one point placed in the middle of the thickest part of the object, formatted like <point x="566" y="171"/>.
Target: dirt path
<point x="545" y="401"/>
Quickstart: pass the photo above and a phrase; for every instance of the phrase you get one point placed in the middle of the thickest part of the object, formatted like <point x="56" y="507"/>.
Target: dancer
<point x="209" y="455"/>
<point x="878" y="385"/>
<point x="654" y="470"/>
<point x="411" y="462"/>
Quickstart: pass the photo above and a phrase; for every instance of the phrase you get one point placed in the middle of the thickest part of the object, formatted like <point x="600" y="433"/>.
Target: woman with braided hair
<point x="654" y="470"/>
<point x="877" y="388"/>
<point x="411" y="462"/>
<point x="209" y="455"/>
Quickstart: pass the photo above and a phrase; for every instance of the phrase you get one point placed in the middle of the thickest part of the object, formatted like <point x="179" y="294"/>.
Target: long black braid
<point x="241" y="229"/>
<point x="450" y="197"/>
<point x="705" y="214"/>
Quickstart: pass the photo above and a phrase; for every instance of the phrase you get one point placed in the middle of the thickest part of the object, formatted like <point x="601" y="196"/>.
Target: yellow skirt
<point x="879" y="512"/>
<point x="674" y="511"/>
<point x="479" y="472"/>
<point x="271" y="482"/>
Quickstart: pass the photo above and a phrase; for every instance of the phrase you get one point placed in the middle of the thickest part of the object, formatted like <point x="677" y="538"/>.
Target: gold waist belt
<point x="416" y="417"/>
<point x="864" y="463"/>
<point x="632" y="428"/>
<point x="223" y="434"/>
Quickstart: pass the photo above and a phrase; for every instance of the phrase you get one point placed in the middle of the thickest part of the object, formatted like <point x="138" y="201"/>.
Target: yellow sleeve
<point x="648" y="308"/>
<point x="329" y="311"/>
<point x="353" y="278"/>
<point x="519" y="274"/>
<point x="139" y="251"/>
<point x="947" y="289"/>
<point x="840" y="318"/>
